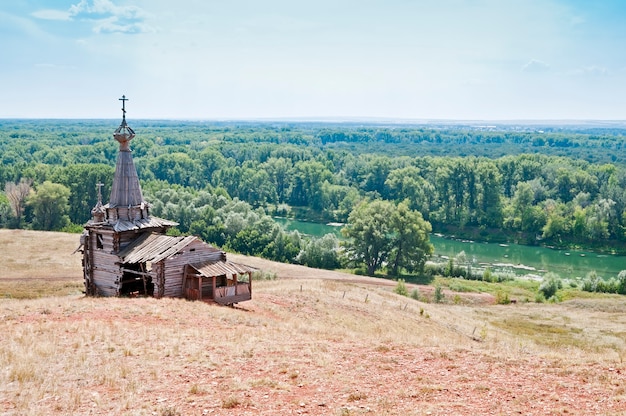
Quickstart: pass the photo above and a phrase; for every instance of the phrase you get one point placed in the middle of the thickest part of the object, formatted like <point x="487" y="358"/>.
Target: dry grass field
<point x="310" y="342"/>
<point x="34" y="264"/>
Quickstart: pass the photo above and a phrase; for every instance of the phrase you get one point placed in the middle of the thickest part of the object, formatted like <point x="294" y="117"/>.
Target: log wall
<point x="106" y="273"/>
<point x="207" y="289"/>
<point x="174" y="267"/>
<point x="157" y="273"/>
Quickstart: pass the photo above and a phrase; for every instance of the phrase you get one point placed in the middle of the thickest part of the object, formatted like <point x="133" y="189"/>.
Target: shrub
<point x="457" y="285"/>
<point x="452" y="269"/>
<point x="169" y="411"/>
<point x="263" y="275"/>
<point x="621" y="282"/>
<point x="591" y="282"/>
<point x="610" y="286"/>
<point x="439" y="296"/>
<point x="433" y="269"/>
<point x="449" y="269"/>
<point x="551" y="283"/>
<point x="415" y="294"/>
<point x="230" y="402"/>
<point x="72" y="228"/>
<point x="502" y="298"/>
<point x="487" y="275"/>
<point x="554" y="299"/>
<point x="400" y="288"/>
<point x="594" y="283"/>
<point x="504" y="276"/>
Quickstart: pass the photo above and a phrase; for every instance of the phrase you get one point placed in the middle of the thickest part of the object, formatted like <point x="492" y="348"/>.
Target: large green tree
<point x="380" y="231"/>
<point x="408" y="183"/>
<point x="49" y="203"/>
<point x="321" y="252"/>
<point x="308" y="179"/>
<point x="410" y="245"/>
<point x="82" y="180"/>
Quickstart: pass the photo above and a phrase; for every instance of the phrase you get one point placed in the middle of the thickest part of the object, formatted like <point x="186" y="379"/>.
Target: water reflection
<point x="521" y="259"/>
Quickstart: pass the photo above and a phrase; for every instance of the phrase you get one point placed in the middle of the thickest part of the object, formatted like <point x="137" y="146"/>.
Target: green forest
<point x="561" y="186"/>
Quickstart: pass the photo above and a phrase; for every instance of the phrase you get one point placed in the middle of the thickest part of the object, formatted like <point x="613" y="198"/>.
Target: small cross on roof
<point x="99" y="185"/>
<point x="123" y="100"/>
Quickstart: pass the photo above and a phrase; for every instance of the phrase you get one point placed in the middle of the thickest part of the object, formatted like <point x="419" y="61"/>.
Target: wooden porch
<point x="221" y="282"/>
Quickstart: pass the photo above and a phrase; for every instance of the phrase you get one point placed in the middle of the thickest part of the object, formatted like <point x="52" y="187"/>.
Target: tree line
<point x="324" y="173"/>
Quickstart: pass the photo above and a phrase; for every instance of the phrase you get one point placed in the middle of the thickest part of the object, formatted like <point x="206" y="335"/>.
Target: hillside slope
<point x="311" y="345"/>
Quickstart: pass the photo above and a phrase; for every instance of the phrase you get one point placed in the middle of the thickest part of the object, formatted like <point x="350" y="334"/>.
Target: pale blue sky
<point x="447" y="59"/>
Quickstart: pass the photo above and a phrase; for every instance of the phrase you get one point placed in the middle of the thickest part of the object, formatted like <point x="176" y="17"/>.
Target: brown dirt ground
<point x="332" y="375"/>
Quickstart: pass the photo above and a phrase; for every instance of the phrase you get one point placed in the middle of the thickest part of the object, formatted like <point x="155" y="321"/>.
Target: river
<point x="519" y="258"/>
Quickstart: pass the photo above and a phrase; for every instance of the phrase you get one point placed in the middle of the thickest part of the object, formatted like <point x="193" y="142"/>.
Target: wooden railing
<point x="226" y="291"/>
<point x="232" y="294"/>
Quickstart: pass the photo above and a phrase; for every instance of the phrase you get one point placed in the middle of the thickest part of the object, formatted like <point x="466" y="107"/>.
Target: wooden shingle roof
<point x="125" y="190"/>
<point x="155" y="247"/>
<point x="144" y="223"/>
<point x="221" y="268"/>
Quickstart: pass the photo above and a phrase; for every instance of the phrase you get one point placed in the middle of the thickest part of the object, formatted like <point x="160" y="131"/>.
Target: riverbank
<point x="496" y="235"/>
<point x="520" y="259"/>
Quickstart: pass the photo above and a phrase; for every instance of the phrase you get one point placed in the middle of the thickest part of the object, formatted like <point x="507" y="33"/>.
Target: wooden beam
<point x="136" y="272"/>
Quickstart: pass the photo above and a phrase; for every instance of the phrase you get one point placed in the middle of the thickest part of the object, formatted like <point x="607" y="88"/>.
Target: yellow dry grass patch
<point x="73" y="355"/>
<point x="37" y="254"/>
<point x="309" y="345"/>
<point x="35" y="264"/>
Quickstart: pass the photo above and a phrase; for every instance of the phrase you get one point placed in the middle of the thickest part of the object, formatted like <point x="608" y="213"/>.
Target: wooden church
<point x="126" y="251"/>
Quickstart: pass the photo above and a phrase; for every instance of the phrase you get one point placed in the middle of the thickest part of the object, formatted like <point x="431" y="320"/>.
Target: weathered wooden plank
<point x="101" y="241"/>
<point x="105" y="257"/>
<point x="105" y="290"/>
<point x="229" y="300"/>
<point x="105" y="272"/>
<point x="107" y="268"/>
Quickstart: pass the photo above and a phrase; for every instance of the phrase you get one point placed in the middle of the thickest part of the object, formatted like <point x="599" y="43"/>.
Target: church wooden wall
<point x="174" y="267"/>
<point x="106" y="274"/>
<point x="125" y="238"/>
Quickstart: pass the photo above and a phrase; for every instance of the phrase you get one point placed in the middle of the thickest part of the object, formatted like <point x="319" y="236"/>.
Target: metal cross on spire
<point x="124" y="134"/>
<point x="99" y="185"/>
<point x="123" y="100"/>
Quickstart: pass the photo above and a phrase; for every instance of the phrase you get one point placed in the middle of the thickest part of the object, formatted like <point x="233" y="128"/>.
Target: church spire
<point x="125" y="191"/>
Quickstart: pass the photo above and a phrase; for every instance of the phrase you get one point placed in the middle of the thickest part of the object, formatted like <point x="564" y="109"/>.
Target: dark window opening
<point x="99" y="241"/>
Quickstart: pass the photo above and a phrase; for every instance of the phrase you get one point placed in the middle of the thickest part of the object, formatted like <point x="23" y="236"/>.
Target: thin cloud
<point x="112" y="25"/>
<point x="106" y="7"/>
<point x="51" y="14"/>
<point x="591" y="71"/>
<point x="535" y="65"/>
<point x="106" y="16"/>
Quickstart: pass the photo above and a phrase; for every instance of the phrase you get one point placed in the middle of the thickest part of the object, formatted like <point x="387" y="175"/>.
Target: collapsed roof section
<point x="155" y="247"/>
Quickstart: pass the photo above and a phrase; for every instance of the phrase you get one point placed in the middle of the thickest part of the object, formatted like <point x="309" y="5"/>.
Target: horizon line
<point x="341" y="119"/>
